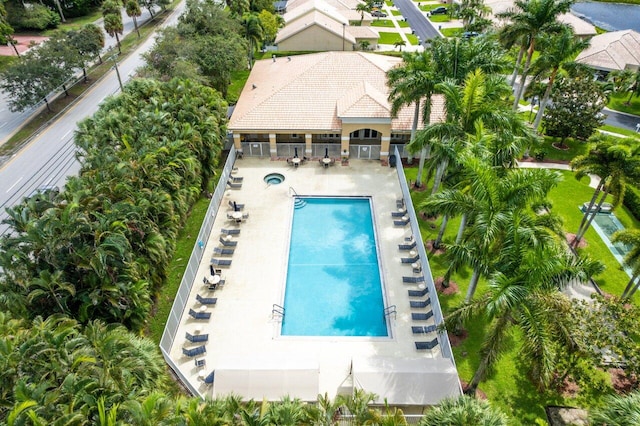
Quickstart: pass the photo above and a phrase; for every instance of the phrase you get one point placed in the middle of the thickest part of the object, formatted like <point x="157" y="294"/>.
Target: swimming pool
<point x="333" y="284"/>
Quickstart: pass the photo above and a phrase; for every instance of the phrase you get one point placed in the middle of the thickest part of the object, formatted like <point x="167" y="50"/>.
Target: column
<point x="385" y="142"/>
<point x="272" y="146"/>
<point x="344" y="146"/>
<point x="237" y="142"/>
<point x="308" y="141"/>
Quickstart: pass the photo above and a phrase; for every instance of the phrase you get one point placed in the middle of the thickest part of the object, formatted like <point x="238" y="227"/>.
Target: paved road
<point x="50" y="157"/>
<point x="10" y="121"/>
<point x="419" y="23"/>
<point x="625" y="121"/>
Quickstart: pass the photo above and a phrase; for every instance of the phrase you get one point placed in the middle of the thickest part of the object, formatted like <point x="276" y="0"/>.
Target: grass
<point x="413" y="39"/>
<point x="574" y="149"/>
<point x="439" y="18"/>
<point x="5" y="61"/>
<point x="388" y="23"/>
<point x="73" y="24"/>
<point x="618" y="102"/>
<point x="396" y="13"/>
<point x="389" y="38"/>
<point x="238" y="80"/>
<point x="620" y="131"/>
<point x="451" y="32"/>
<point x="508" y="388"/>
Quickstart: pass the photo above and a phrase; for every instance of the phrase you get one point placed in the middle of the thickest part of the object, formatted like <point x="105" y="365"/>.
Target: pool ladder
<point x="390" y="310"/>
<point x="299" y="202"/>
<point x="277" y="310"/>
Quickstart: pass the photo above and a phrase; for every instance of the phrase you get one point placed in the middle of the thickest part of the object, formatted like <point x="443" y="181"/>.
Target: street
<point x="419" y="23"/>
<point x="50" y="157"/>
<point x="10" y="121"/>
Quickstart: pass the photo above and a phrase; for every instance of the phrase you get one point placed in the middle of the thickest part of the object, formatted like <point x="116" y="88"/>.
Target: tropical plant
<point x="132" y="7"/>
<point x="616" y="162"/>
<point x="532" y="19"/>
<point x="463" y="411"/>
<point x="626" y="81"/>
<point x="253" y="34"/>
<point x="112" y="20"/>
<point x="631" y="238"/>
<point x="617" y="410"/>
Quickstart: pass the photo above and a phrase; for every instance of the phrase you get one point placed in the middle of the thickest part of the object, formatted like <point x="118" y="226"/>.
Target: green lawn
<point x="396" y="13"/>
<point x="413" y="39"/>
<point x="439" y="18"/>
<point x="238" y="79"/>
<point x="451" y="32"/>
<point x="618" y="102"/>
<point x="75" y="23"/>
<point x="620" y="131"/>
<point x="388" y="38"/>
<point x="507" y="388"/>
<point x="388" y="23"/>
<point x="574" y="148"/>
<point x="5" y="61"/>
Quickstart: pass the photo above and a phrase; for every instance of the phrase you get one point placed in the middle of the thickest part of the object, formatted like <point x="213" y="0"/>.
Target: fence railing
<point x="444" y="344"/>
<point x="191" y="273"/>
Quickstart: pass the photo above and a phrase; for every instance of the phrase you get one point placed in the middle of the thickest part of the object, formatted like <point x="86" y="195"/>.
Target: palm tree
<point x="534" y="18"/>
<point x="528" y="299"/>
<point x="410" y="83"/>
<point x="463" y="411"/>
<point x="253" y="34"/>
<point x="133" y="10"/>
<point x="617" y="410"/>
<point x="113" y="26"/>
<point x="617" y="162"/>
<point x="630" y="237"/>
<point x="626" y="81"/>
<point x="557" y="51"/>
<point x="362" y="8"/>
<point x="399" y="44"/>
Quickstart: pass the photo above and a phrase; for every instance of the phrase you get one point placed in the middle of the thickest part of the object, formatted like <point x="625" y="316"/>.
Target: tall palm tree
<point x="113" y="26"/>
<point x="557" y="51"/>
<point x="132" y="7"/>
<point x="534" y="18"/>
<point x="463" y="411"/>
<point x="528" y="299"/>
<point x="617" y="162"/>
<point x="253" y="33"/>
<point x="630" y="237"/>
<point x="410" y="83"/>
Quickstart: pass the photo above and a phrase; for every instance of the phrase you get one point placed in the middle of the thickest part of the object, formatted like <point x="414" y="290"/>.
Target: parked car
<point x="441" y="10"/>
<point x="469" y="34"/>
<point x="378" y="14"/>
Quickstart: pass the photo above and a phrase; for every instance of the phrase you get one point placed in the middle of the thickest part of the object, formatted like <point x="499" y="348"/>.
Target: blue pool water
<point x="333" y="283"/>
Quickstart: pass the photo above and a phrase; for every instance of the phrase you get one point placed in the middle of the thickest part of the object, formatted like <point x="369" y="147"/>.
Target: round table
<point x="405" y="217"/>
<point x="413" y="252"/>
<point x="326" y="160"/>
<point x="228" y="238"/>
<point x="415" y="265"/>
<point x="295" y="160"/>
<point x="198" y="330"/>
<point x="236" y="215"/>
<point x="203" y="308"/>
<point x="402" y="210"/>
<point x="214" y="279"/>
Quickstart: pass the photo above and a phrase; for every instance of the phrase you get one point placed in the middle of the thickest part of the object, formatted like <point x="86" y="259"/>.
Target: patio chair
<point x="427" y="345"/>
<point x="420" y="303"/>
<point x="245" y="216"/>
<point x="413" y="259"/>
<point x="400" y="203"/>
<point x="220" y="262"/>
<point x="214" y="271"/>
<point x="228" y="243"/>
<point x="409" y="246"/>
<point x="209" y="379"/>
<point x="401" y="222"/>
<point x="236" y="179"/>
<point x="224" y="251"/>
<point x="398" y="214"/>
<point x="234" y="185"/>
<point x="413" y="280"/>
<point x="194" y="351"/>
<point x="200" y="362"/>
<point x="235" y="206"/>
<point x="199" y="315"/>
<point x="206" y="300"/>
<point x="422" y="316"/>
<point x="213" y="287"/>
<point x="231" y="231"/>
<point x="417" y="268"/>
<point x="195" y="338"/>
<point x="424" y="329"/>
<point x="419" y="293"/>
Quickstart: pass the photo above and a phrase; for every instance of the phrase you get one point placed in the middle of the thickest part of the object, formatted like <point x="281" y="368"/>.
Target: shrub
<point x="32" y="17"/>
<point x="632" y="201"/>
<point x="539" y="155"/>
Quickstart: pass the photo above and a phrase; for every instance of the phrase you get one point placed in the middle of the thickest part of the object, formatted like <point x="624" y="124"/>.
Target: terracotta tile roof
<point x="310" y="19"/>
<point x="363" y="32"/>
<point x="313" y="5"/>
<point x="616" y="50"/>
<point x="308" y="91"/>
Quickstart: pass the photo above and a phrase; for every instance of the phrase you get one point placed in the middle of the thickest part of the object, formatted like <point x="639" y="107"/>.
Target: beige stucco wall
<point x="314" y="38"/>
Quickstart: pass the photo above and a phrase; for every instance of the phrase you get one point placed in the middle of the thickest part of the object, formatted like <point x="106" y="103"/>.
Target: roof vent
<point x="253" y="86"/>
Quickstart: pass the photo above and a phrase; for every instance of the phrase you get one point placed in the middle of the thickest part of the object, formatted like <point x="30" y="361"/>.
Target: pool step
<point x="299" y="203"/>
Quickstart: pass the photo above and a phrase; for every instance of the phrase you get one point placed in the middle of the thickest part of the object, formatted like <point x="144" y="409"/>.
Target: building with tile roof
<point x="616" y="50"/>
<point x="330" y="102"/>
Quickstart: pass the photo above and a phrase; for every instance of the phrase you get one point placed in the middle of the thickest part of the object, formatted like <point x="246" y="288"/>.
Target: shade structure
<point x="415" y="381"/>
<point x="270" y="379"/>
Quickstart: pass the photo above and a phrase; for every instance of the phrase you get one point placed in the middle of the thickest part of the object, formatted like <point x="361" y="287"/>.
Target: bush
<point x="632" y="201"/>
<point x="32" y="17"/>
<point x="539" y="155"/>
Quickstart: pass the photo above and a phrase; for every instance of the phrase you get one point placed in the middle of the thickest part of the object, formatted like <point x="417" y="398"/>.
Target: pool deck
<point x="242" y="328"/>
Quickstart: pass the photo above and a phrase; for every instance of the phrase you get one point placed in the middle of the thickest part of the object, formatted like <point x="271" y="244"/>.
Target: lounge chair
<point x="230" y="231"/>
<point x="236" y="207"/>
<point x="413" y="259"/>
<point x="413" y="280"/>
<point x="427" y="345"/>
<point x="195" y="338"/>
<point x="398" y="214"/>
<point x="419" y="293"/>
<point x="409" y="246"/>
<point x="401" y="222"/>
<point x="228" y="243"/>
<point x="199" y="315"/>
<point x="421" y="316"/>
<point x="220" y="262"/>
<point x="420" y="303"/>
<point x="424" y="329"/>
<point x="224" y="251"/>
<point x="234" y="185"/>
<point x="236" y="179"/>
<point x="206" y="300"/>
<point x="194" y="351"/>
<point x="209" y="379"/>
